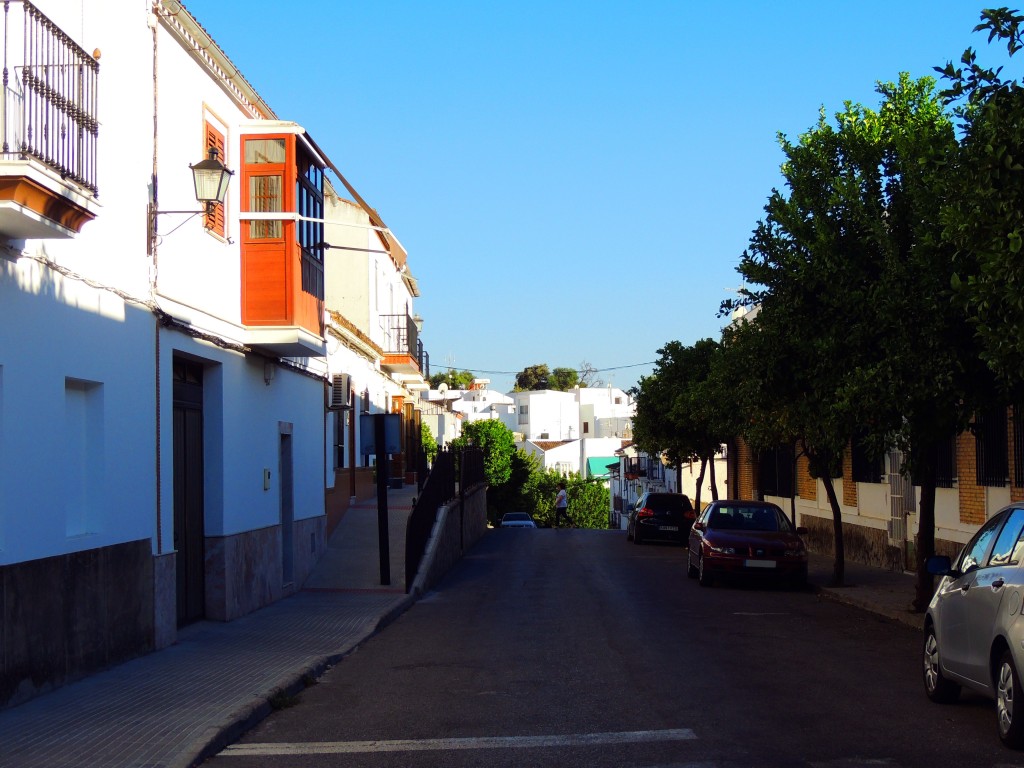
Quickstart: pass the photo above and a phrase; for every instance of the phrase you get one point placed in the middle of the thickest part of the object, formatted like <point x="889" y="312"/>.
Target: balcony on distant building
<point x="404" y="357"/>
<point x="49" y="127"/>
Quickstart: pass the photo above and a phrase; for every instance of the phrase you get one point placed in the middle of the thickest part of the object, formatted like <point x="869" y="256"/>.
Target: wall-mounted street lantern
<point x="211" y="178"/>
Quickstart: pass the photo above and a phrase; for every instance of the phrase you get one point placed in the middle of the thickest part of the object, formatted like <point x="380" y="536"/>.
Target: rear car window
<point x="669" y="501"/>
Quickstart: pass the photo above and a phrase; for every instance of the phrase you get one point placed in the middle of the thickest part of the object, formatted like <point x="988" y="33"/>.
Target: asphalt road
<point x="576" y="648"/>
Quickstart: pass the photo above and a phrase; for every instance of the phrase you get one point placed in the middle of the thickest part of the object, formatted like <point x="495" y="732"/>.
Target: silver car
<point x="974" y="630"/>
<point x="517" y="520"/>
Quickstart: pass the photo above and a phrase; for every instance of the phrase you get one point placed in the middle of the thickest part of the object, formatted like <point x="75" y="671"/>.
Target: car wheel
<point x="691" y="571"/>
<point x="936" y="686"/>
<point x="703" y="577"/>
<point x="636" y="535"/>
<point x="629" y="533"/>
<point x="1011" y="722"/>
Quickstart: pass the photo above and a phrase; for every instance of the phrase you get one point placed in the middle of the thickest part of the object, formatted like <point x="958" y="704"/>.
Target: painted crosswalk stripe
<point x="480" y="742"/>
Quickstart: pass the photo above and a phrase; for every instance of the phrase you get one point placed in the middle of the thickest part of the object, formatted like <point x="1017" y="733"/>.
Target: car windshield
<point x="740" y="518"/>
<point x="516" y="516"/>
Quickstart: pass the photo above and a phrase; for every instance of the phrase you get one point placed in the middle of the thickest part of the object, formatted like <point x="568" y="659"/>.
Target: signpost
<point x="383" y="431"/>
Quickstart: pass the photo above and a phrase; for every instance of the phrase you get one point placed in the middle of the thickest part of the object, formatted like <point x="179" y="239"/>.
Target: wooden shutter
<point x="214" y="221"/>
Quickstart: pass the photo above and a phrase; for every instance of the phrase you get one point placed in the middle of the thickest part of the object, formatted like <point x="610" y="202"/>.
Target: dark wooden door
<point x="189" y="529"/>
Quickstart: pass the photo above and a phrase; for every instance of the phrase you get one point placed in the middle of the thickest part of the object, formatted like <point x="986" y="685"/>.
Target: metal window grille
<point x="866" y="467"/>
<point x="991" y="441"/>
<point x="775" y="472"/>
<point x="945" y="463"/>
<point x="1018" y="447"/>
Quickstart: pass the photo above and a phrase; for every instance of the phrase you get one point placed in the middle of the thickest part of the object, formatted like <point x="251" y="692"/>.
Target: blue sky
<point x="573" y="181"/>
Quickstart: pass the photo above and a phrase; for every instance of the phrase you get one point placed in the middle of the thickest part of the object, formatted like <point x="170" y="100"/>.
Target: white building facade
<point x="164" y="369"/>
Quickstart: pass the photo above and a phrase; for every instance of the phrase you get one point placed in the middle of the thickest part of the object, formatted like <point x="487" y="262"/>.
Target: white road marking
<point x="482" y="742"/>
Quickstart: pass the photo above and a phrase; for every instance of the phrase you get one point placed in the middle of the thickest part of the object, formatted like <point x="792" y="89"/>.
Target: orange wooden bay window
<point x="282" y="260"/>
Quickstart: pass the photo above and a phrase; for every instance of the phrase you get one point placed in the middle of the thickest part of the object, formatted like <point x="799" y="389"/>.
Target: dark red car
<point x="749" y="538"/>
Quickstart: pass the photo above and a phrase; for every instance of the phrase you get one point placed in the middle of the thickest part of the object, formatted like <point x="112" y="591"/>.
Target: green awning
<point x="598" y="467"/>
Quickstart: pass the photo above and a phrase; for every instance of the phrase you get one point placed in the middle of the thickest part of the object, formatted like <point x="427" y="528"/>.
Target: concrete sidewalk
<point x="175" y="707"/>
<point x="885" y="593"/>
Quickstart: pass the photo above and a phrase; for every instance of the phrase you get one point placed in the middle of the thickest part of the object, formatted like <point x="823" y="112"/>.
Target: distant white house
<point x="479" y="403"/>
<point x="445" y="410"/>
<point x="605" y="412"/>
<point x="545" y="414"/>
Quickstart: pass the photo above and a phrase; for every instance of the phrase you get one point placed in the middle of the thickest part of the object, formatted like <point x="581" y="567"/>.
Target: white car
<point x="517" y="520"/>
<point x="974" y="628"/>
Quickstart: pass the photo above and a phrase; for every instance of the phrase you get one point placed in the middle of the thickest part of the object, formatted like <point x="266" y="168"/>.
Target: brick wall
<point x="746" y="482"/>
<point x="806" y="485"/>
<point x="972" y="495"/>
<point x="849" y="487"/>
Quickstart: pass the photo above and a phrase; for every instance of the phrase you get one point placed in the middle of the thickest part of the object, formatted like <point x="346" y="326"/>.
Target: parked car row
<point x="728" y="538"/>
<point x="974" y="625"/>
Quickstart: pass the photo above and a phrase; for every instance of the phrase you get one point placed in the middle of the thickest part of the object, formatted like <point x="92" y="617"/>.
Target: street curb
<point x="251" y="714"/>
<point x="841" y="595"/>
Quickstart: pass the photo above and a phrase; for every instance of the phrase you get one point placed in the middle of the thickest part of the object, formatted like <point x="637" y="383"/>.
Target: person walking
<point x="561" y="505"/>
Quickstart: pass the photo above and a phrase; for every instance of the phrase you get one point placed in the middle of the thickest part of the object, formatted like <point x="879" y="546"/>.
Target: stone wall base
<point x="69" y="616"/>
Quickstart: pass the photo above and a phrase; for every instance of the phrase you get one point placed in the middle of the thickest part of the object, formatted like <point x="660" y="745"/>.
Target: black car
<point x="658" y="515"/>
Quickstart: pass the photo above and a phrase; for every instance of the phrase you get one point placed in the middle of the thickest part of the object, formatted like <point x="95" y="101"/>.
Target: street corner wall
<point x="861" y="544"/>
<point x="453" y="540"/>
<point x="68" y="616"/>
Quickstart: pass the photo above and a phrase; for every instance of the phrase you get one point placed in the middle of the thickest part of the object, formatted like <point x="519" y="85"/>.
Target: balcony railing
<point x="424" y="361"/>
<point x="49" y="105"/>
<point x="401" y="336"/>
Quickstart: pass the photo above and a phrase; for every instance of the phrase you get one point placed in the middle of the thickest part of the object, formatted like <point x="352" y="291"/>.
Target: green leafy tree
<point x="589" y="500"/>
<point x="429" y="443"/>
<point x="855" y="313"/>
<point x="675" y="408"/>
<point x="563" y="379"/>
<point x="512" y="495"/>
<point x="984" y="215"/>
<point x="532" y="378"/>
<point x="454" y="379"/>
<point x="496" y="442"/>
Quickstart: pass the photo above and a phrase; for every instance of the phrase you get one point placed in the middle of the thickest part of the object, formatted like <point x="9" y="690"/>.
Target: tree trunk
<point x="700" y="485"/>
<point x="839" y="568"/>
<point x="925" y="546"/>
<point x="714" y="482"/>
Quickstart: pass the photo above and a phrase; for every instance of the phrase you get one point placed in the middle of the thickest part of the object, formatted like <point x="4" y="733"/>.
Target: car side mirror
<point x="801" y="531"/>
<point x="700" y="526"/>
<point x="939" y="565"/>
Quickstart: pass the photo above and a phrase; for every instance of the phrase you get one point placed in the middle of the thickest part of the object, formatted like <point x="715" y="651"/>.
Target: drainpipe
<point x="151" y="247"/>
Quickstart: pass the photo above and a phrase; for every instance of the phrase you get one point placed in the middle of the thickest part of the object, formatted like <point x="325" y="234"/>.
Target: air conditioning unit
<point x="341" y="387"/>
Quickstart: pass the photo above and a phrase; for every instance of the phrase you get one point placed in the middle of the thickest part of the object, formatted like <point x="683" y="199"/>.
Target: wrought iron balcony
<point x="48" y="128"/>
<point x="402" y="347"/>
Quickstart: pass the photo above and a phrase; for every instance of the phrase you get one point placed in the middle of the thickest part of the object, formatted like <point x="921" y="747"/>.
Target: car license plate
<point x="759" y="563"/>
<point x="668" y="527"/>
